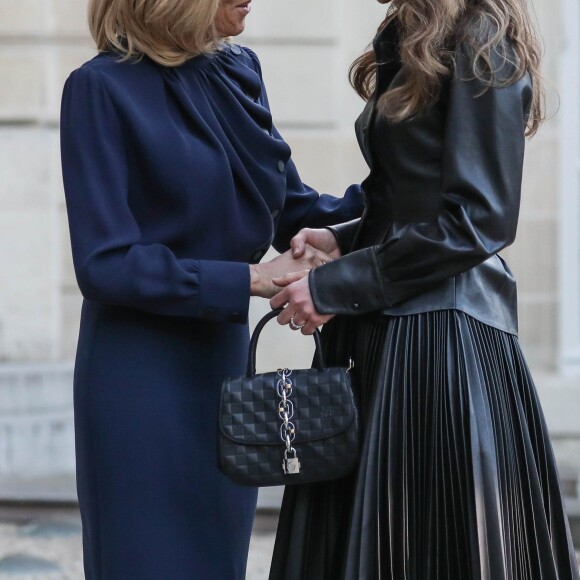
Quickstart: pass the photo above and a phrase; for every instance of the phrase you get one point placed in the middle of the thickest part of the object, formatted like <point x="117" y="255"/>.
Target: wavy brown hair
<point x="167" y="31"/>
<point x="430" y="31"/>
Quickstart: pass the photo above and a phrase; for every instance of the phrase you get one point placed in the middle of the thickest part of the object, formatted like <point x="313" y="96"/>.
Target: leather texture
<point x="345" y="234"/>
<point x="442" y="199"/>
<point x="326" y="441"/>
<point x="456" y="479"/>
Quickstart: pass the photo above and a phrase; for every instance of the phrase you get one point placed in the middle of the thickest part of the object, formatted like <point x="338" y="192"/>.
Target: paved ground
<point x="45" y="544"/>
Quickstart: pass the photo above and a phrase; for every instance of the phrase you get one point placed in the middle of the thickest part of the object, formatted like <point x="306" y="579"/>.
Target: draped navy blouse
<point x="176" y="179"/>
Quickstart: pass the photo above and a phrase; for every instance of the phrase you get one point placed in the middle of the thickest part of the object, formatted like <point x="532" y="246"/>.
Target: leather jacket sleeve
<point x="345" y="234"/>
<point x="482" y="162"/>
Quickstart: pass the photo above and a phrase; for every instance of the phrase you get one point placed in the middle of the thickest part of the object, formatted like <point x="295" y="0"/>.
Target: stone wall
<point x="41" y="41"/>
<point x="305" y="47"/>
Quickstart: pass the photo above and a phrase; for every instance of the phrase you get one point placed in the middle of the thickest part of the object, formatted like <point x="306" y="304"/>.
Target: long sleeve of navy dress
<point x="175" y="180"/>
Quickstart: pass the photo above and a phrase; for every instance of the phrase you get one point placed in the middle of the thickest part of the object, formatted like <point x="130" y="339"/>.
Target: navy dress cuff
<point x="224" y="291"/>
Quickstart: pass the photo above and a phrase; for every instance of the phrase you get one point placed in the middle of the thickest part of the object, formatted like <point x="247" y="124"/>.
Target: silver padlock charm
<point x="291" y="465"/>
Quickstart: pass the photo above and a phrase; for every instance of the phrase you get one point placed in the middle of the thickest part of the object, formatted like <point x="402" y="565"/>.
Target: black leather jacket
<point x="442" y="199"/>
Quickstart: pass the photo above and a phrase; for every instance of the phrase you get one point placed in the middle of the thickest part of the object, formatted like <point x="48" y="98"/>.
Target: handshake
<point x="309" y="249"/>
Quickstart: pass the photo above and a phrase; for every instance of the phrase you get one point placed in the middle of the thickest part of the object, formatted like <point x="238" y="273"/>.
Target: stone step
<point x="26" y="567"/>
<point x="573" y="509"/>
<point x="61" y="489"/>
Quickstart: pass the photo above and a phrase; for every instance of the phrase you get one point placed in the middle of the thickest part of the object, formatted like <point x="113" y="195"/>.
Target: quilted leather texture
<point x="322" y="406"/>
<point x="325" y="416"/>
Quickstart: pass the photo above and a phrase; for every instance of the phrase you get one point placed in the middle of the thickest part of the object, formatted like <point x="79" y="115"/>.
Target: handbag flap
<point x="322" y="401"/>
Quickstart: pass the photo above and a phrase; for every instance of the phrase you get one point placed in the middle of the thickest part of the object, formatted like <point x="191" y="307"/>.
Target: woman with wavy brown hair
<point x="456" y="479"/>
<point x="177" y="183"/>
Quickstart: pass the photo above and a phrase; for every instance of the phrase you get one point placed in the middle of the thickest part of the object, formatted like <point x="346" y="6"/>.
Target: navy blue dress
<point x="175" y="180"/>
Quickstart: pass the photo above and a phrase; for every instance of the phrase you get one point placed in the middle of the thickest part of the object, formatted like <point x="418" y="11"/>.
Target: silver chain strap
<point x="290" y="465"/>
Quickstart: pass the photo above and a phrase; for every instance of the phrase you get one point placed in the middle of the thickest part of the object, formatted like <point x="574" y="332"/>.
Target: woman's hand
<point x="320" y="239"/>
<point x="261" y="275"/>
<point x="299" y="308"/>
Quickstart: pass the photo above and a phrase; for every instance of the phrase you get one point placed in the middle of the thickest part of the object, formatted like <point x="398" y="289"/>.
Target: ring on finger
<point x="295" y="326"/>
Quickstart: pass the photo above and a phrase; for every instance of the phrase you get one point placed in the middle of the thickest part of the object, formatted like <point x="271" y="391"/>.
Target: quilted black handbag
<point x="289" y="426"/>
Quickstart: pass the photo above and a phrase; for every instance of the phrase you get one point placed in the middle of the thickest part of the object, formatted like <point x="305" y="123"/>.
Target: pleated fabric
<point x="457" y="478"/>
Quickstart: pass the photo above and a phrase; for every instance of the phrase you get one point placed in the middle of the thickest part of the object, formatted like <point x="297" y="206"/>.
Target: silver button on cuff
<point x="281" y="166"/>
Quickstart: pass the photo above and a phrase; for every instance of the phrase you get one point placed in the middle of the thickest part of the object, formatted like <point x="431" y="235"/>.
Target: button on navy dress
<point x="175" y="180"/>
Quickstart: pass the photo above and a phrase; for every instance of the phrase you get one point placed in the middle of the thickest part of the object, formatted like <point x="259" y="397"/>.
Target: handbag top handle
<point x="254" y="344"/>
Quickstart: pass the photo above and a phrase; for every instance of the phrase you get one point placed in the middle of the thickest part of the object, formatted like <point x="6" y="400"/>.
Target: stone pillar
<point x="40" y="42"/>
<point x="305" y="47"/>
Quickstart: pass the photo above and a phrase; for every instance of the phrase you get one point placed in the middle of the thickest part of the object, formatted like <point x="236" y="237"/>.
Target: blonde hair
<point x="430" y="31"/>
<point x="167" y="31"/>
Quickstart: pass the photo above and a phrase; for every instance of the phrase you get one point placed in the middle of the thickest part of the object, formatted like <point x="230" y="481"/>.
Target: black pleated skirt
<point x="456" y="479"/>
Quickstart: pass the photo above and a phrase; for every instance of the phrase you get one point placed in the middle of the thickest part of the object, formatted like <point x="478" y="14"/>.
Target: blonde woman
<point x="177" y="184"/>
<point x="456" y="479"/>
